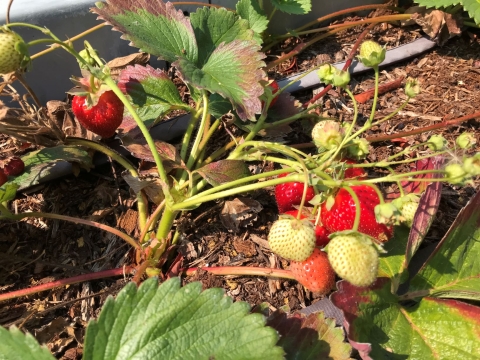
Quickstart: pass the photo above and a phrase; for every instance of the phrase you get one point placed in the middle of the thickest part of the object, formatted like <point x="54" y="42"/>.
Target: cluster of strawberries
<point x="301" y="238"/>
<point x="13" y="166"/>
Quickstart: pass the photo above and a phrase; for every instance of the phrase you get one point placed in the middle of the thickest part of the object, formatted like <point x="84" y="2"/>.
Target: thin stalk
<point x="65" y="282"/>
<point x="141" y="203"/>
<point x="375" y="96"/>
<point x="243" y="270"/>
<point x="30" y="91"/>
<point x="151" y="221"/>
<point x="358" y="209"/>
<point x="166" y="222"/>
<point x="74" y="220"/>
<point x="389" y="116"/>
<point x="188" y="133"/>
<point x="424" y="129"/>
<point x="242" y="189"/>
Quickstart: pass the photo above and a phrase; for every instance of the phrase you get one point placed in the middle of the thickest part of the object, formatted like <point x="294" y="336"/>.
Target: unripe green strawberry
<point x="371" y="53"/>
<point x="354" y="258"/>
<point x="292" y="239"/>
<point x="327" y="134"/>
<point x="12" y="52"/>
<point x="408" y="212"/>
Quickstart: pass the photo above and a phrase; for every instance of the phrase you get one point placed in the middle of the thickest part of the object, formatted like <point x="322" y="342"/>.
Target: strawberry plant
<point x="338" y="220"/>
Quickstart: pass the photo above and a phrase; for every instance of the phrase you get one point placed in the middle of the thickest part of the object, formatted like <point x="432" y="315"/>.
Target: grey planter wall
<point x="50" y="75"/>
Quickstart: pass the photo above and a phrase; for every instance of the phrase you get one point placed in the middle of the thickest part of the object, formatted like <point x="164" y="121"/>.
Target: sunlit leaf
<point x="224" y="171"/>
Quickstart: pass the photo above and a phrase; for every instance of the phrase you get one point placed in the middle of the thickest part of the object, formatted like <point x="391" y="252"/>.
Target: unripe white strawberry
<point x="354" y="258"/>
<point x="371" y="53"/>
<point x="327" y="134"/>
<point x="12" y="51"/>
<point x="408" y="212"/>
<point x="292" y="239"/>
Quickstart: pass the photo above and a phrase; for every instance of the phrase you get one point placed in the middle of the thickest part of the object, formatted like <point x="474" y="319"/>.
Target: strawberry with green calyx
<point x="354" y="257"/>
<point x="96" y="107"/>
<point x="315" y="273"/>
<point x="371" y="54"/>
<point x="13" y="52"/>
<point x="330" y="75"/>
<point x="407" y="205"/>
<point x="412" y="88"/>
<point x="466" y="140"/>
<point x="456" y="174"/>
<point x="292" y="239"/>
<point x="437" y="143"/>
<point x="358" y="148"/>
<point x="321" y="233"/>
<point x="327" y="134"/>
<point x="338" y="213"/>
<point x="472" y="165"/>
<point x="387" y="213"/>
<point x="289" y="194"/>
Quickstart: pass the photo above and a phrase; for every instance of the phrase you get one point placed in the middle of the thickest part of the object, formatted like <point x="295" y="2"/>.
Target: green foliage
<point x="471" y="6"/>
<point x="169" y="322"/>
<point x="214" y="49"/>
<point x="419" y="324"/>
<point x="298" y="7"/>
<point x="15" y="345"/>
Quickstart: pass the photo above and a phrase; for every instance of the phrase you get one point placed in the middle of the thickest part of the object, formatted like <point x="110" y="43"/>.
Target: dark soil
<point x="37" y="251"/>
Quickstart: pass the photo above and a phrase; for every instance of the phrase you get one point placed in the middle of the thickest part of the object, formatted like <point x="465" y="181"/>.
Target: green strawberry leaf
<point x="219" y="106"/>
<point x="153" y="26"/>
<point x="234" y="71"/>
<point x="430" y="329"/>
<point x="169" y="322"/>
<point x="213" y="27"/>
<point x="298" y="7"/>
<point x="151" y="90"/>
<point x="14" y="345"/>
<point x="438" y="3"/>
<point x="8" y="191"/>
<point x="391" y="263"/>
<point x="309" y="337"/>
<point x="224" y="171"/>
<point x="39" y="164"/>
<point x="453" y="269"/>
<point x="257" y="20"/>
<point x="473" y="8"/>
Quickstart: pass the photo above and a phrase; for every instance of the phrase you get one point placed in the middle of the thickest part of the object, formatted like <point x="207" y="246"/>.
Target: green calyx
<point x="371" y="53"/>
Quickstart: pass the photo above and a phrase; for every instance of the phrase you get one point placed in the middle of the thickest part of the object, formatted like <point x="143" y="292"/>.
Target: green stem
<point x="375" y="96"/>
<point x="358" y="210"/>
<point x="242" y="189"/>
<point x="388" y="117"/>
<point x="142" y="205"/>
<point x="166" y="223"/>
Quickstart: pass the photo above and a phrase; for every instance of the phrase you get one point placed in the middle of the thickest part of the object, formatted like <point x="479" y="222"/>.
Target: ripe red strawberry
<point x="292" y="239"/>
<point x="3" y="177"/>
<point x="104" y="117"/>
<point x="358" y="173"/>
<point x="315" y="273"/>
<point x="14" y="166"/>
<point x="289" y="194"/>
<point x="321" y="233"/>
<point x="274" y="86"/>
<point x="341" y="215"/>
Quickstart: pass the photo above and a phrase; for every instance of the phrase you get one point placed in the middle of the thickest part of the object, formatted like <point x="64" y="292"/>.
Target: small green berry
<point x="472" y="165"/>
<point x="13" y="52"/>
<point x="466" y="140"/>
<point x="371" y="53"/>
<point x="327" y="134"/>
<point x="412" y="88"/>
<point x="456" y="174"/>
<point x="437" y="143"/>
<point x="358" y="148"/>
<point x="325" y="73"/>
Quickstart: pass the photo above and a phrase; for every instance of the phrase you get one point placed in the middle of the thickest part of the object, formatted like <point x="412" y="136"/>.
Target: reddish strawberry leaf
<point x="453" y="269"/>
<point x="234" y="71"/>
<point x="427" y="208"/>
<point x="311" y="337"/>
<point x="429" y="329"/>
<point x="421" y="165"/>
<point x="153" y="26"/>
<point x="149" y="87"/>
<point x="224" y="171"/>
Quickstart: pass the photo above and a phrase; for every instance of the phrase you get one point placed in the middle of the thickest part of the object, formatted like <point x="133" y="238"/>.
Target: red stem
<point x="243" y="270"/>
<point x="68" y="281"/>
<point x="423" y="129"/>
